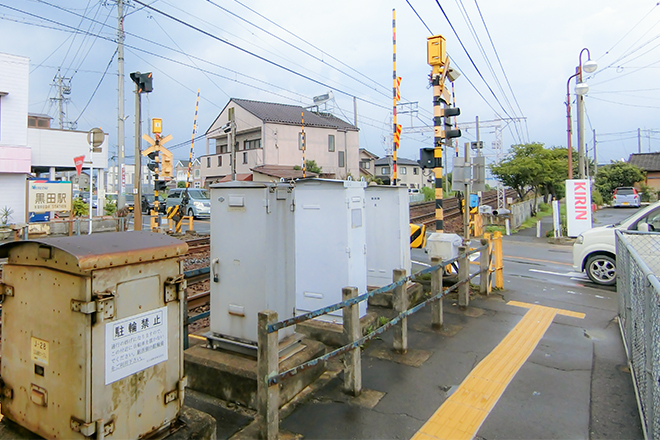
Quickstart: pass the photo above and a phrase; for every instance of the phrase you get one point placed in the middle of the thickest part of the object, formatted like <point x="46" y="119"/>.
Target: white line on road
<point x="421" y="264"/>
<point x="565" y="274"/>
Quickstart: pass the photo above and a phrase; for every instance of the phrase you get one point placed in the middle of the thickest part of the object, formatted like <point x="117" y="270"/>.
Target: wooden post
<point x="483" y="268"/>
<point x="400" y="301"/>
<point x="463" y="274"/>
<point x="437" y="318"/>
<point x="353" y="359"/>
<point x="268" y="397"/>
<point x="499" y="260"/>
<point x="70" y="221"/>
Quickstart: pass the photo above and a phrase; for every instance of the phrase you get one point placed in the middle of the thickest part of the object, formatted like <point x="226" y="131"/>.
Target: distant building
<point x="367" y="167"/>
<point x="181" y="172"/>
<point x="409" y="173"/>
<point x="270" y="134"/>
<point x="649" y="162"/>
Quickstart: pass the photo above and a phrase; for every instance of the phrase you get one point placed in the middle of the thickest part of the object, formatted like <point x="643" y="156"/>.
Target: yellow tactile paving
<point x="463" y="413"/>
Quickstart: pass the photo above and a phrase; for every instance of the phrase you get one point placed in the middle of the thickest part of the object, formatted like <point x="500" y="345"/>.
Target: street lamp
<point x="581" y="89"/>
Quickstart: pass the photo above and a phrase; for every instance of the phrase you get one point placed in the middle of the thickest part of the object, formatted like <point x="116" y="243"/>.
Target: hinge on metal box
<point x="175" y="288"/>
<point x="174" y="394"/>
<point x="89" y="429"/>
<point x="103" y="305"/>
<point x="5" y="290"/>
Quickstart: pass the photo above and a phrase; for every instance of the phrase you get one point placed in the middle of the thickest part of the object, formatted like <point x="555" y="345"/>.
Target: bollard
<point x="484" y="285"/>
<point x="400" y="302"/>
<point x="538" y="229"/>
<point x="499" y="260"/>
<point x="268" y="397"/>
<point x="190" y="222"/>
<point x="463" y="274"/>
<point x="353" y="358"/>
<point x="437" y="318"/>
<point x="507" y="224"/>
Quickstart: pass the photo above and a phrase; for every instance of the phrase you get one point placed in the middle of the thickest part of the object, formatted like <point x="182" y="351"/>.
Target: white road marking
<point x="421" y="264"/>
<point x="565" y="274"/>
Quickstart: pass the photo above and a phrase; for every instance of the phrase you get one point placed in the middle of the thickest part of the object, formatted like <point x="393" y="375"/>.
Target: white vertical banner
<point x="556" y="218"/>
<point x="578" y="206"/>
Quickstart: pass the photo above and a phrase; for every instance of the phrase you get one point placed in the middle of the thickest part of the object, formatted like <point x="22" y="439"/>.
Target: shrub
<point x="80" y="208"/>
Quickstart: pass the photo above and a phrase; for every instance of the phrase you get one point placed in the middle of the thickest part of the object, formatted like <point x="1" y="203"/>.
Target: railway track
<point x="424" y="212"/>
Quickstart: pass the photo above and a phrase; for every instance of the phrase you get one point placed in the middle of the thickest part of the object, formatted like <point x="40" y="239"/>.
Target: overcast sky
<point x="346" y="47"/>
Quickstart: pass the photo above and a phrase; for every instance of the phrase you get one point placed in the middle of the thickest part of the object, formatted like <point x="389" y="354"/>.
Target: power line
<point x="264" y="59"/>
<point x="97" y="87"/>
<point x="631" y="29"/>
<point x="474" y="65"/>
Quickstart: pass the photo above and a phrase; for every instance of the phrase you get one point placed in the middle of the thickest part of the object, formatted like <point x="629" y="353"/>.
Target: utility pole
<point x="121" y="199"/>
<point x="595" y="155"/>
<point x="466" y="195"/>
<point x="143" y="84"/>
<point x="355" y="111"/>
<point x="580" y="134"/>
<point x="395" y="92"/>
<point x="639" y="140"/>
<point x="232" y="139"/>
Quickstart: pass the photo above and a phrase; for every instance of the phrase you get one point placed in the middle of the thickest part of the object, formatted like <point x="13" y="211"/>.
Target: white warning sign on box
<point x="135" y="343"/>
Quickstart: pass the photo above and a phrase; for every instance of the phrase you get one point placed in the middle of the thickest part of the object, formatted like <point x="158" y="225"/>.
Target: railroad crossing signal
<point x="158" y="153"/>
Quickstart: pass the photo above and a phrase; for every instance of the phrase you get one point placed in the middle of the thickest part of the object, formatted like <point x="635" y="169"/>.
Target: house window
<point x="219" y="161"/>
<point x="341" y="159"/>
<point x="331" y="144"/>
<point x="366" y="164"/>
<point x="252" y="145"/>
<point x="223" y="148"/>
<point x="415" y="171"/>
<point x="197" y="185"/>
<point x="300" y="140"/>
<point x="208" y="162"/>
<point x="385" y="171"/>
<point x="403" y="170"/>
<point x="198" y="174"/>
<point x="244" y="157"/>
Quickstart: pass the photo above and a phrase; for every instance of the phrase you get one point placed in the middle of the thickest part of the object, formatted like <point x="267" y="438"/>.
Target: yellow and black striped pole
<point x="192" y="142"/>
<point x="395" y="140"/>
<point x="304" y="164"/>
<point x="437" y="59"/>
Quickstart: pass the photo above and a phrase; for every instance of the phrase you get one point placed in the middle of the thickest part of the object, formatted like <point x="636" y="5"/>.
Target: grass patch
<point x="494" y="228"/>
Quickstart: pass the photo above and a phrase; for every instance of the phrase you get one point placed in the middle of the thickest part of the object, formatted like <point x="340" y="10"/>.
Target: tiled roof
<point x="282" y="171"/>
<point x="399" y="161"/>
<point x="646" y="161"/>
<point x="290" y="115"/>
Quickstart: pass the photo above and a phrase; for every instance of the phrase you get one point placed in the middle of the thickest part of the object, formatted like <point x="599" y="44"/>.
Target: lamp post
<point x="581" y="89"/>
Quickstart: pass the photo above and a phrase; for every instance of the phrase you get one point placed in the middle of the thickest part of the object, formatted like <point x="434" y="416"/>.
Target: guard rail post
<point x="352" y="359"/>
<point x="483" y="268"/>
<point x="190" y="222"/>
<point x="400" y="302"/>
<point x="268" y="397"/>
<point x="499" y="260"/>
<point x="463" y="277"/>
<point x="488" y="236"/>
<point x="437" y="318"/>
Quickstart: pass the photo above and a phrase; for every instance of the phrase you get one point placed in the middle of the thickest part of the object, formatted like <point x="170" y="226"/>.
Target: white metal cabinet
<point x="388" y="233"/>
<point x="252" y="257"/>
<point x="92" y="334"/>
<point x="331" y="243"/>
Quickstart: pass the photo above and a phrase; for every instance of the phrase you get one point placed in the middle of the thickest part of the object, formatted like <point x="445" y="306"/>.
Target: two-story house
<point x="181" y="172"/>
<point x="409" y="173"/>
<point x="367" y="166"/>
<point x="270" y="134"/>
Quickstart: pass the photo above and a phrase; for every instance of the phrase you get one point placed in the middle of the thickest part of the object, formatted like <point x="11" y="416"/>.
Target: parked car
<point x="199" y="203"/>
<point x="148" y="203"/>
<point x="626" y="196"/>
<point x="594" y="251"/>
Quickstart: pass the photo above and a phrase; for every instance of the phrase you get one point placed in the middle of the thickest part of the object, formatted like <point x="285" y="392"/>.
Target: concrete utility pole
<point x="580" y="124"/>
<point x="466" y="195"/>
<point x="137" y="201"/>
<point x="595" y="155"/>
<point x="639" y="140"/>
<point x="121" y="199"/>
<point x="232" y="141"/>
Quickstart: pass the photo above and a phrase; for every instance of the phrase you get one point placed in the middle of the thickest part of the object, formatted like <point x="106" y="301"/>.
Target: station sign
<point x="47" y="195"/>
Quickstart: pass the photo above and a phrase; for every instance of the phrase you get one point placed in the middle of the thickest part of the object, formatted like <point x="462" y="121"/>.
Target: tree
<point x="615" y="175"/>
<point x="533" y="168"/>
<point x="181" y="184"/>
<point x="311" y="166"/>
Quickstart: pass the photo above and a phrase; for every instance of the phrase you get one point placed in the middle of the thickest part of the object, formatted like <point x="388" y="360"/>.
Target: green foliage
<point x="646" y="192"/>
<point x="493" y="228"/>
<point x="615" y="175"/>
<point x="382" y="320"/>
<point x="5" y="215"/>
<point x="533" y="168"/>
<point x="311" y="166"/>
<point x="110" y="206"/>
<point x="429" y="193"/>
<point x="376" y="180"/>
<point x="181" y="184"/>
<point x="596" y="196"/>
<point x="80" y="208"/>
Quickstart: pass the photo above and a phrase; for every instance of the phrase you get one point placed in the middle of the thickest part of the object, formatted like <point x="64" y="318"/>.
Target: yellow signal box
<point x="156" y="125"/>
<point x="436" y="50"/>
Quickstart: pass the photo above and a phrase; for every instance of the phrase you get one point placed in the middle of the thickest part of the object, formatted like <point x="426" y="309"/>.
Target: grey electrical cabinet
<point x="388" y="232"/>
<point x="252" y="257"/>
<point x="91" y="335"/>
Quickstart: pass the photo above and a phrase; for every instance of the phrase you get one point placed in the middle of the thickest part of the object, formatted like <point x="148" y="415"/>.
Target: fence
<point x="638" y="268"/>
<point x="268" y="374"/>
<point x="523" y="210"/>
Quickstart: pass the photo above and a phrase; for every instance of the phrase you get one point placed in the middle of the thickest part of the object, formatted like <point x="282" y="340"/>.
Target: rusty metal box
<point x="91" y="335"/>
